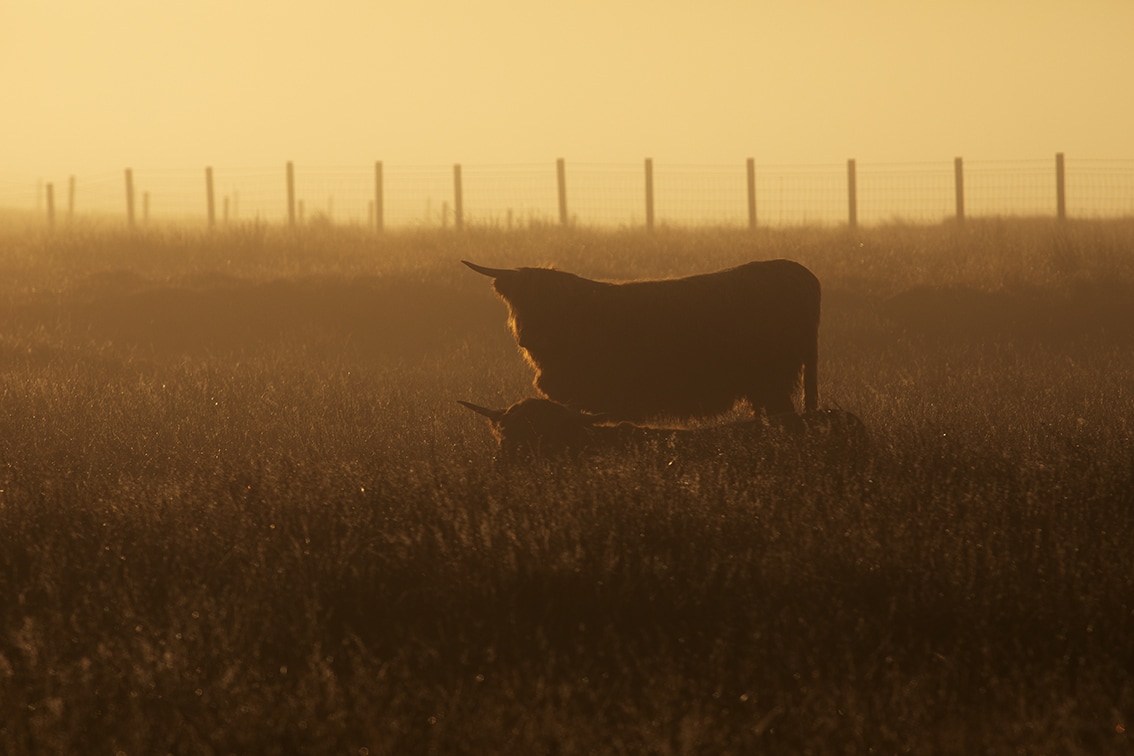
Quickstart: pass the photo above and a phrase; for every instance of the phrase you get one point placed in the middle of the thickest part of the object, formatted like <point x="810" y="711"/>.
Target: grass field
<point x="242" y="512"/>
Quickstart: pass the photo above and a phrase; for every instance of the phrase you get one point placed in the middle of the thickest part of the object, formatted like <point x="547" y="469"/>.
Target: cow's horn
<point x="491" y="414"/>
<point x="490" y="272"/>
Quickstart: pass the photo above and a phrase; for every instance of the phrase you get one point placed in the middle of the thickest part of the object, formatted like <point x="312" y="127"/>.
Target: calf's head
<point x="538" y="427"/>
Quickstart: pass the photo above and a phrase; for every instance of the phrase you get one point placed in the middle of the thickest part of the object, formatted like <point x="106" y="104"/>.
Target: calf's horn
<point x="491" y="414"/>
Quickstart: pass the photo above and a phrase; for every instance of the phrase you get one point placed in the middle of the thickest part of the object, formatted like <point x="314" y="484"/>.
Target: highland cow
<point x="541" y="428"/>
<point x="680" y="348"/>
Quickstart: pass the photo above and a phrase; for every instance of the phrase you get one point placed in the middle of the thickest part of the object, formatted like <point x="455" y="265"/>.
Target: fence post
<point x="210" y="198"/>
<point x="71" y="199"/>
<point x="290" y="194"/>
<point x="50" y="205"/>
<point x="1060" y="188"/>
<point x="379" y="204"/>
<point x="458" y="199"/>
<point x="752" y="193"/>
<point x="649" y="194"/>
<point x="959" y="187"/>
<point x="129" y="198"/>
<point x="852" y="195"/>
<point x="561" y="181"/>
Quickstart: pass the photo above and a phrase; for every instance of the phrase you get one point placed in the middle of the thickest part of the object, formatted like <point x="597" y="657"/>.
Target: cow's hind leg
<point x="811" y="379"/>
<point x="772" y="402"/>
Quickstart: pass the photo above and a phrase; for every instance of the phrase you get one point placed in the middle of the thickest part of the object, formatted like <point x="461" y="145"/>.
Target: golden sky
<point x="98" y="86"/>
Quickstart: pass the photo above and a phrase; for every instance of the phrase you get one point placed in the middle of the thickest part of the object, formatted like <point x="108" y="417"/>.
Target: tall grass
<point x="241" y="511"/>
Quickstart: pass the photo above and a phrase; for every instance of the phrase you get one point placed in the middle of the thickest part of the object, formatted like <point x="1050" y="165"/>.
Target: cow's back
<point x="685" y="347"/>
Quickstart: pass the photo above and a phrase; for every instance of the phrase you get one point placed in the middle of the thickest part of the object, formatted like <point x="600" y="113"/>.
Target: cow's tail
<point x="811" y="377"/>
<point x="811" y="359"/>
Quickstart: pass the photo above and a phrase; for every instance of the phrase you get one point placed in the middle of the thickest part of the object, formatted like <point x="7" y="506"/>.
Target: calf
<point x="543" y="428"/>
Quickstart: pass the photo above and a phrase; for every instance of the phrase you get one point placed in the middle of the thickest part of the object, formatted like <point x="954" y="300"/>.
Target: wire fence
<point x="585" y="194"/>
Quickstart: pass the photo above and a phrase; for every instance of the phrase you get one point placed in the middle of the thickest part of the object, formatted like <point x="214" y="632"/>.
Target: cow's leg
<point x="781" y="405"/>
<point x="811" y="378"/>
<point x="771" y="401"/>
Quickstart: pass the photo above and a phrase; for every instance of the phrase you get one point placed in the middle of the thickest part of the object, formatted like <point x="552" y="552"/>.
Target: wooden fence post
<point x="290" y="194"/>
<point x="1060" y="188"/>
<point x="129" y="198"/>
<point x="649" y="194"/>
<point x="852" y="195"/>
<point x="959" y="187"/>
<point x="71" y="199"/>
<point x="561" y="182"/>
<point x="379" y="200"/>
<point x="210" y="198"/>
<point x="50" y="205"/>
<point x="752" y="193"/>
<point x="458" y="199"/>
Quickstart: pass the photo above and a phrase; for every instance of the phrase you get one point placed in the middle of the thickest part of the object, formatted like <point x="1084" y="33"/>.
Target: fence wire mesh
<point x="597" y="195"/>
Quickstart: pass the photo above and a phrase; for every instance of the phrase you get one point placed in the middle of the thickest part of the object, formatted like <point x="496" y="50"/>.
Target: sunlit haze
<point x="99" y="86"/>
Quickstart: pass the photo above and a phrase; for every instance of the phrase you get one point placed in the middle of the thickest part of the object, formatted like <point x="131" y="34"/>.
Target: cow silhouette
<point x="676" y="348"/>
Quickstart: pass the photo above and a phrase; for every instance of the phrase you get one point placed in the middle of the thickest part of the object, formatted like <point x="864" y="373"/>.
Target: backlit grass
<point x="241" y="510"/>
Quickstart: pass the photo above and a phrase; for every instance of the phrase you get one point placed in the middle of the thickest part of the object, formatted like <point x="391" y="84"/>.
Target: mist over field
<point x="241" y="509"/>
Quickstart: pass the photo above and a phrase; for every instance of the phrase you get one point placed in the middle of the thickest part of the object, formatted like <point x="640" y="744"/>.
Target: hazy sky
<point x="98" y="86"/>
